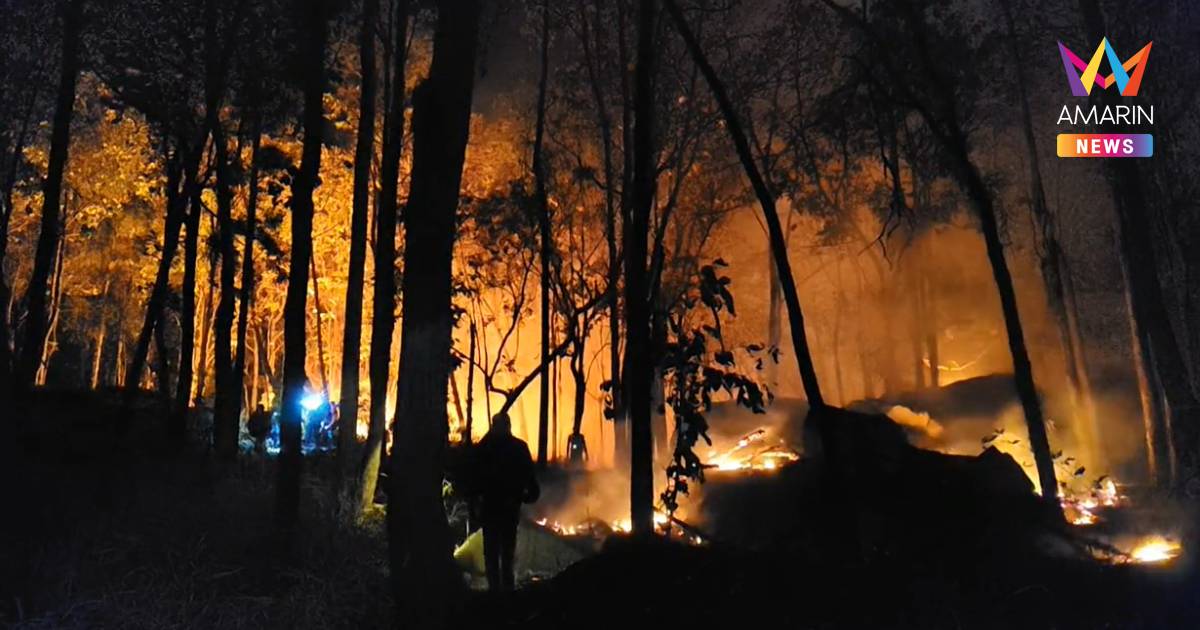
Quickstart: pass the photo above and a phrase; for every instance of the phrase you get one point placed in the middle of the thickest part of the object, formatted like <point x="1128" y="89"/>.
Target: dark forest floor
<point x="105" y="534"/>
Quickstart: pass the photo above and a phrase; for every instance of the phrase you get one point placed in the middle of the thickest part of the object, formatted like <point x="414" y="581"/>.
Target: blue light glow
<point x="312" y="402"/>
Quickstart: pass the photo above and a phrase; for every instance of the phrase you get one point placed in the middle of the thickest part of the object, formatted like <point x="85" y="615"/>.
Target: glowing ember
<point x="1155" y="549"/>
<point x="1083" y="517"/>
<point x="1081" y="510"/>
<point x="599" y="529"/>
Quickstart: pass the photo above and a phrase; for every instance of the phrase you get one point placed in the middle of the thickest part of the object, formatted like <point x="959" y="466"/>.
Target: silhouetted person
<point x="577" y="453"/>
<point x="504" y="479"/>
<point x="258" y="425"/>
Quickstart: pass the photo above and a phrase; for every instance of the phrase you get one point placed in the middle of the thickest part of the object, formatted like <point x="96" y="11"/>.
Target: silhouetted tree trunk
<point x="951" y="136"/>
<point x="227" y="394"/>
<point x="364" y="152"/>
<point x="942" y="119"/>
<point x="929" y="299"/>
<point x="187" y="321"/>
<point x="580" y="379"/>
<point x="621" y="419"/>
<point x="182" y="170"/>
<point x="206" y="315"/>
<point x="981" y="199"/>
<point x="6" y="212"/>
<point x="467" y="438"/>
<point x="610" y="224"/>
<point x="774" y="319"/>
<point x="543" y="219"/>
<point x="98" y="351"/>
<point x="766" y="199"/>
<point x="247" y="293"/>
<point x="295" y="311"/>
<point x="36" y="324"/>
<point x="420" y="546"/>
<point x="53" y="309"/>
<point x="1159" y="348"/>
<point x="917" y="331"/>
<point x="639" y="372"/>
<point x="162" y="359"/>
<point x="320" y="309"/>
<point x="383" y="299"/>
<point x="1055" y="273"/>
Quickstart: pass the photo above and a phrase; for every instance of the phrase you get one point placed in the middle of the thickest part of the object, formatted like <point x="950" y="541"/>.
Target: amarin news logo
<point x="1127" y="76"/>
<point x="1081" y="84"/>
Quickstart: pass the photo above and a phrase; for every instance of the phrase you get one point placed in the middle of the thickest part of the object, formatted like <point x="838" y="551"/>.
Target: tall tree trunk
<point x="383" y="299"/>
<point x="580" y="379"/>
<point x="981" y="199"/>
<point x="98" y="353"/>
<point x="610" y="224"/>
<point x="467" y="438"/>
<point x="247" y="292"/>
<point x="228" y="393"/>
<point x="187" y="321"/>
<point x="929" y="299"/>
<point x="839" y="310"/>
<point x="1151" y="322"/>
<point x="419" y="541"/>
<point x="6" y="212"/>
<point x="949" y="133"/>
<point x="206" y="314"/>
<point x="917" y="330"/>
<point x="1158" y="452"/>
<point x="621" y="419"/>
<point x="295" y="310"/>
<point x="316" y="287"/>
<point x="774" y="321"/>
<point x="808" y="374"/>
<point x="638" y="369"/>
<point x="162" y="359"/>
<point x="543" y="219"/>
<point x="364" y="153"/>
<point x="54" y="308"/>
<point x="36" y="324"/>
<point x="1053" y="263"/>
<point x="182" y="170"/>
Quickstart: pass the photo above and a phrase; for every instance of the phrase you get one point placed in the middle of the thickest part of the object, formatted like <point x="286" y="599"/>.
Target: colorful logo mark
<point x="1081" y="84"/>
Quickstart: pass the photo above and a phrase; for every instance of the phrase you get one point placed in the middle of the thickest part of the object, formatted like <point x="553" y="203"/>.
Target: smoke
<point x="906" y="417"/>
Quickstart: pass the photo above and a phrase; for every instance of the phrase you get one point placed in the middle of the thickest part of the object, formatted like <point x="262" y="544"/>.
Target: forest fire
<point x="597" y="530"/>
<point x="753" y="452"/>
<point x="685" y="303"/>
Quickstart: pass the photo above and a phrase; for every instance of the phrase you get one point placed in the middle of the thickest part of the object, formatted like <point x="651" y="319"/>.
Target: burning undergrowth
<point x="980" y="415"/>
<point x="908" y="486"/>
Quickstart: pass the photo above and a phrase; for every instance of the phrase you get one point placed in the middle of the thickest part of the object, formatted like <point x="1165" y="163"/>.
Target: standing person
<point x="259" y="427"/>
<point x="504" y="479"/>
